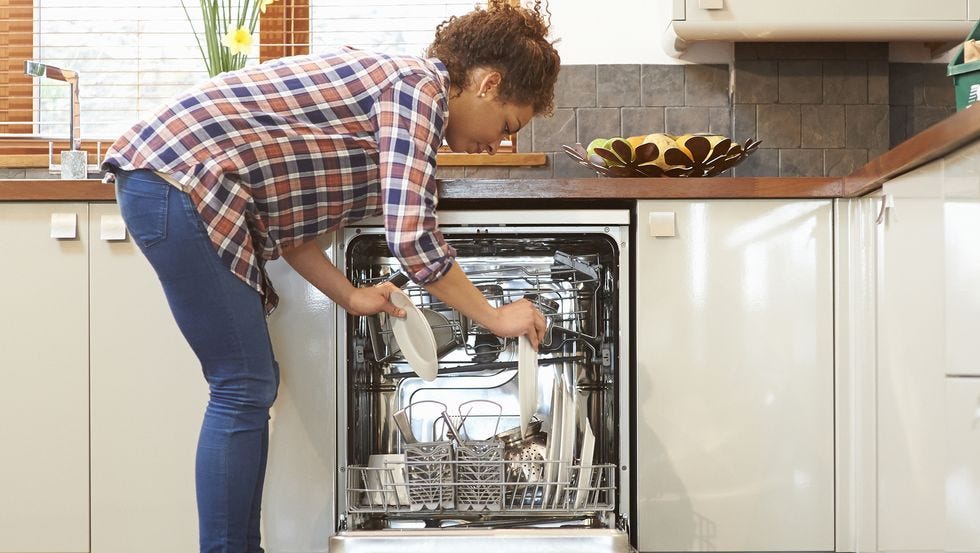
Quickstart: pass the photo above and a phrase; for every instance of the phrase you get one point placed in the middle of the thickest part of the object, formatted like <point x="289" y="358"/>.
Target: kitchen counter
<point x="932" y="143"/>
<point x="476" y="190"/>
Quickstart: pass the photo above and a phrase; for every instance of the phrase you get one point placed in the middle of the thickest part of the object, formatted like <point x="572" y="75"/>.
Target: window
<point x="134" y="55"/>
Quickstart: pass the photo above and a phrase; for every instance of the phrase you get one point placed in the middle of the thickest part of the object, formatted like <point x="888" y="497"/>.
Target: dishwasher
<point x="431" y="466"/>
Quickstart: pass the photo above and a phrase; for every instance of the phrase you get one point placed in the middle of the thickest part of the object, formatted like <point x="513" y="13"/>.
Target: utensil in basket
<point x="524" y="456"/>
<point x="404" y="424"/>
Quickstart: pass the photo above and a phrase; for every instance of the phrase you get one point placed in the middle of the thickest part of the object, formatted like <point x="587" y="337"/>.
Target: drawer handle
<point x="64" y="225"/>
<point x="112" y="228"/>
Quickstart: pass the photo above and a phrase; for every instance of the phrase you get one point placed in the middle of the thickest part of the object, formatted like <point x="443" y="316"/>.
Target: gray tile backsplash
<point x="779" y="125"/>
<point x="706" y="85"/>
<point x="576" y="86"/>
<point x="617" y="85"/>
<point x="866" y="126"/>
<point x="845" y="82"/>
<point x="638" y="121"/>
<point x="838" y="163"/>
<point x="551" y="132"/>
<point x="686" y="120"/>
<point x="662" y="85"/>
<point x="596" y="122"/>
<point x="820" y="109"/>
<point x="799" y="81"/>
<point x="758" y="82"/>
<point x="920" y="95"/>
<point x="824" y="126"/>
<point x="800" y="162"/>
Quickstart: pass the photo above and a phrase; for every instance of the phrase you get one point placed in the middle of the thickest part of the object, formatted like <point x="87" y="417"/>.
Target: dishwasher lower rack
<point x="437" y="479"/>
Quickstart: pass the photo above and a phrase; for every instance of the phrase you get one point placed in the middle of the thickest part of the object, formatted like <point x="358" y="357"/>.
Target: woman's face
<point x="477" y="120"/>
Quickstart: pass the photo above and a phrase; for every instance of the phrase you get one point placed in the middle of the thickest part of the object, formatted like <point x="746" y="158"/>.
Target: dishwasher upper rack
<point x="564" y="292"/>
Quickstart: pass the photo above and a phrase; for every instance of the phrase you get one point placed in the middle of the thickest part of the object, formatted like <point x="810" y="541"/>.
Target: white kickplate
<point x="557" y="540"/>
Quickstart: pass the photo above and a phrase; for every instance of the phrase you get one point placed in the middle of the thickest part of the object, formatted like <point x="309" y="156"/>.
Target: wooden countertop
<point x="954" y="132"/>
<point x="481" y="190"/>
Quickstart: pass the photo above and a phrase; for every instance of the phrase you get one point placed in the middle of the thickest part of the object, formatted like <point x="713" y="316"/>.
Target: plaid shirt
<point x="279" y="153"/>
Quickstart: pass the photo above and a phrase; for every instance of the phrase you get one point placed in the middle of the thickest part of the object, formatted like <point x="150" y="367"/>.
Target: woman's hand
<point x="373" y="299"/>
<point x="517" y="319"/>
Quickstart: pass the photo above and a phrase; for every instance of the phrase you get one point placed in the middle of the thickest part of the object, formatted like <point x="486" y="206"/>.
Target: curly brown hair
<point x="509" y="39"/>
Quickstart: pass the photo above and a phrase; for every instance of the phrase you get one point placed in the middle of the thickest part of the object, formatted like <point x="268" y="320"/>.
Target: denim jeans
<point x="223" y="320"/>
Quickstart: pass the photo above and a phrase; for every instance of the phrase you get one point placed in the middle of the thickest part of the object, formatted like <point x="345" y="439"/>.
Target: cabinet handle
<point x="662" y="224"/>
<point x="887" y="202"/>
<point x="112" y="228"/>
<point x="64" y="225"/>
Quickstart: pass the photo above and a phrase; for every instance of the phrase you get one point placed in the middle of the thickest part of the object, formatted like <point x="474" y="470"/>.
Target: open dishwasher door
<point x="424" y="465"/>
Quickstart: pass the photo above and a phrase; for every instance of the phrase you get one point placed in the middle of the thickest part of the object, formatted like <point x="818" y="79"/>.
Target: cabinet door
<point x="962" y="464"/>
<point x="734" y="377"/>
<point x="910" y="388"/>
<point x="44" y="370"/>
<point x="298" y="503"/>
<point x="961" y="222"/>
<point x="148" y="399"/>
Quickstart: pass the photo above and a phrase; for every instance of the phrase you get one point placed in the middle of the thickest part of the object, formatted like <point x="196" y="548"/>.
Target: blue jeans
<point x="223" y="320"/>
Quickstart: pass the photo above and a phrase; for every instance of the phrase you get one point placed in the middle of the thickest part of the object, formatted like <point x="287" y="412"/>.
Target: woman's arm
<point x="454" y="288"/>
<point x="312" y="264"/>
<point x="511" y="320"/>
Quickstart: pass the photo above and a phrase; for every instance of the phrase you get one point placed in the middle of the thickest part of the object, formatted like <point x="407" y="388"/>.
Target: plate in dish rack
<point x="527" y="381"/>
<point x="415" y="338"/>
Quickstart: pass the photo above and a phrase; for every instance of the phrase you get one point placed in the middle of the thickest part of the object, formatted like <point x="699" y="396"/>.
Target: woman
<point x="255" y="164"/>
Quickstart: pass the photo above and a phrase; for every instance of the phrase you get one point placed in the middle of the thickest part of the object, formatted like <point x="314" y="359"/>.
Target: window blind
<point x="133" y="56"/>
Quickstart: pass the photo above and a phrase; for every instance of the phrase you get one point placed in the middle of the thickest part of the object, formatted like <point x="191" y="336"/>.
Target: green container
<point x="966" y="76"/>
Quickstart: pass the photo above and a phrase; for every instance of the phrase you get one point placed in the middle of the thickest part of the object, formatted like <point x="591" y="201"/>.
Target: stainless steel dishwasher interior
<point x="469" y="465"/>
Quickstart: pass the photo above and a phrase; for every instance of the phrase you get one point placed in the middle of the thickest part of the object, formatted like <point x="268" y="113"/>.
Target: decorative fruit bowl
<point x="662" y="155"/>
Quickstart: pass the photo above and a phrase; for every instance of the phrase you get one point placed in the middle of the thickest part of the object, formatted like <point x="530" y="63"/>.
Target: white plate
<point x="527" y="381"/>
<point x="553" y="444"/>
<point x="415" y="338"/>
<point x="569" y="413"/>
<point x="386" y="474"/>
<point x="587" y="452"/>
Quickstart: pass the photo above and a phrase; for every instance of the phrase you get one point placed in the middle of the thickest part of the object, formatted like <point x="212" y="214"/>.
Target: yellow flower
<point x="264" y="3"/>
<point x="239" y="40"/>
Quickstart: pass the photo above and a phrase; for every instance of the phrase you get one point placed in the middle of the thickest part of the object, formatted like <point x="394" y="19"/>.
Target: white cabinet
<point x="829" y="20"/>
<point x="962" y="464"/>
<point x="44" y="369"/>
<point x="103" y="398"/>
<point x="928" y="314"/>
<point x="910" y="365"/>
<point x="961" y="267"/>
<point x="734" y="377"/>
<point x="148" y="399"/>
<point x="840" y="10"/>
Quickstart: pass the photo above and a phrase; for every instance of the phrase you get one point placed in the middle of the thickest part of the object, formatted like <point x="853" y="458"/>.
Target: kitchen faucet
<point x="74" y="162"/>
<point x="38" y="69"/>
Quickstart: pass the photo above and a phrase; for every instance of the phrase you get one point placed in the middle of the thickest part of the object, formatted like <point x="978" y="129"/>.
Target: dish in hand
<point x="415" y="338"/>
